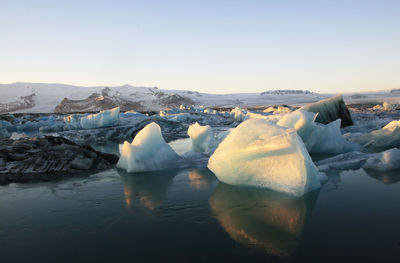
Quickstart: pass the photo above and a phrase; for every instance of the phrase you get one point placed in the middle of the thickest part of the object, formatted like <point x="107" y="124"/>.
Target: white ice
<point x="202" y="138"/>
<point x="238" y="114"/>
<point x="378" y="140"/>
<point x="259" y="153"/>
<point x="105" y="118"/>
<point x="147" y="152"/>
<point x="318" y="138"/>
<point x="384" y="161"/>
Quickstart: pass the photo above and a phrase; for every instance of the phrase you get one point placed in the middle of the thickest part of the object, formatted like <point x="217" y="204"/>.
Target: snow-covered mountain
<point x="45" y="97"/>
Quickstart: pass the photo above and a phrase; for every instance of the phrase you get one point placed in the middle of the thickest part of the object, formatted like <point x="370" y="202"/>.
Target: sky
<point x="209" y="46"/>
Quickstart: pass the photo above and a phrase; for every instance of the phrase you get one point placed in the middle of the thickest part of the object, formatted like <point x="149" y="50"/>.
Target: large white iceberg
<point x="105" y="118"/>
<point x="262" y="154"/>
<point x="303" y="123"/>
<point x="147" y="152"/>
<point x="202" y="138"/>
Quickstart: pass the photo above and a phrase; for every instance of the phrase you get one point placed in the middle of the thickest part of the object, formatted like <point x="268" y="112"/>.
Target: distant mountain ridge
<point x="62" y="98"/>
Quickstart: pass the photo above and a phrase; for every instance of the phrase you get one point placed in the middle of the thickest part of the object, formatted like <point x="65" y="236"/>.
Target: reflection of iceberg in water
<point x="200" y="178"/>
<point x="148" y="188"/>
<point x="386" y="177"/>
<point x="261" y="218"/>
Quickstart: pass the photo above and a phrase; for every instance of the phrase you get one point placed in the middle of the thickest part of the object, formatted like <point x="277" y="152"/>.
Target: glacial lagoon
<point x="188" y="216"/>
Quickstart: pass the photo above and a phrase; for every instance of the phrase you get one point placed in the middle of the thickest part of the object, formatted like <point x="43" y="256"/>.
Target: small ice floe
<point x="384" y="161"/>
<point x="386" y="106"/>
<point x="378" y="140"/>
<point x="238" y="114"/>
<point x="202" y="138"/>
<point x="262" y="154"/>
<point x="105" y="118"/>
<point x="147" y="152"/>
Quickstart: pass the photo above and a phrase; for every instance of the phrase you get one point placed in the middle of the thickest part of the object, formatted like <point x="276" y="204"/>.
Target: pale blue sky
<point x="209" y="46"/>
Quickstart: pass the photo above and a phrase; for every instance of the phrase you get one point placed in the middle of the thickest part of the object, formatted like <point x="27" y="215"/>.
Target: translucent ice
<point x="329" y="139"/>
<point x="385" y="161"/>
<point x="262" y="154"/>
<point x="378" y="140"/>
<point x="303" y="123"/>
<point x="105" y="118"/>
<point x="202" y="138"/>
<point x="318" y="138"/>
<point x="147" y="152"/>
<point x="238" y="114"/>
<point x="329" y="110"/>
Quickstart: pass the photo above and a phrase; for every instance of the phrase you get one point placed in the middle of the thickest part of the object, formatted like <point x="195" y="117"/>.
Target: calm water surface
<point x="187" y="215"/>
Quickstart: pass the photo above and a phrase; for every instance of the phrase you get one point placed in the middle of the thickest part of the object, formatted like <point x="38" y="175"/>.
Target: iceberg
<point x="329" y="110"/>
<point x="346" y="161"/>
<point x="303" y="123"/>
<point x="328" y="139"/>
<point x="317" y="137"/>
<point x="105" y="118"/>
<point x="378" y="140"/>
<point x="238" y="114"/>
<point x="384" y="161"/>
<point x="147" y="152"/>
<point x="4" y="134"/>
<point x="386" y="106"/>
<point x="202" y="138"/>
<point x="262" y="154"/>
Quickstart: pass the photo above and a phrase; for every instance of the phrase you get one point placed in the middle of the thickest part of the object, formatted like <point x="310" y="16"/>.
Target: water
<point x="187" y="215"/>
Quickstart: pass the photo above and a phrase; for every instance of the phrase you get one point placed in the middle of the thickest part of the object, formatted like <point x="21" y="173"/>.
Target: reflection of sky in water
<point x="186" y="215"/>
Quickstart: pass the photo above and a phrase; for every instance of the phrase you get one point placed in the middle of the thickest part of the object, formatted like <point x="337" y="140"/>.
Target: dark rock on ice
<point x="47" y="158"/>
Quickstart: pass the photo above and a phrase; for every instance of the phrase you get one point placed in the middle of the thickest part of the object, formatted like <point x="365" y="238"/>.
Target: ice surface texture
<point x="329" y="110"/>
<point x="378" y="140"/>
<point x="385" y="161"/>
<point x="105" y="118"/>
<point x="318" y="138"/>
<point x="260" y="153"/>
<point x="202" y="138"/>
<point x="147" y="152"/>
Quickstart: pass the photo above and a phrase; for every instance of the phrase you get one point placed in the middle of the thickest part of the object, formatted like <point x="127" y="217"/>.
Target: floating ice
<point x="386" y="106"/>
<point x="238" y="114"/>
<point x="318" y="138"/>
<point x="130" y="114"/>
<point x="378" y="140"/>
<point x="278" y="109"/>
<point x="210" y="111"/>
<point x="385" y="161"/>
<point x="260" y="153"/>
<point x="329" y="139"/>
<point x="72" y="121"/>
<point x="346" y="161"/>
<point x="329" y="110"/>
<point x="303" y="123"/>
<point x="105" y="118"/>
<point x="202" y="138"/>
<point x="181" y="117"/>
<point x="147" y="152"/>
<point x="4" y="134"/>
